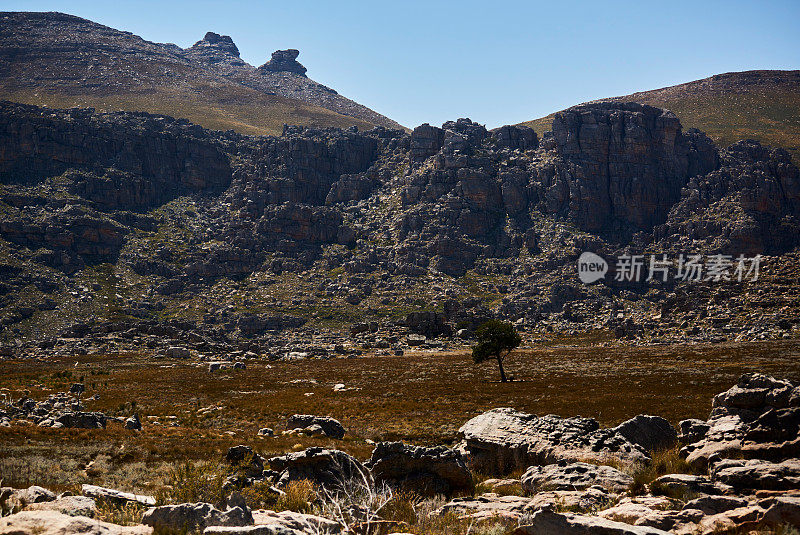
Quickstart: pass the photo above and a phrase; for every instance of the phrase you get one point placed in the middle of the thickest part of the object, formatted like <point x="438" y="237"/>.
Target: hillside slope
<point x="760" y="105"/>
<point x="60" y="60"/>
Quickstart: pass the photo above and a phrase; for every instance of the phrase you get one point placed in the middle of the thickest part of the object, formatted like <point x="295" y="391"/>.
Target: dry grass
<point x="420" y="398"/>
<point x="129" y="514"/>
<point x="662" y="462"/>
<point x="189" y="482"/>
<point x="227" y="107"/>
<point x="770" y="115"/>
<point x="300" y="496"/>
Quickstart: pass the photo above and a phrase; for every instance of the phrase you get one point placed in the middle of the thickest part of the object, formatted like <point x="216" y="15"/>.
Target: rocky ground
<point x="511" y="472"/>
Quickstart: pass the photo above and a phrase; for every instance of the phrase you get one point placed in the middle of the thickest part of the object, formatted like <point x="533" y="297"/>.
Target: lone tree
<point x="496" y="339"/>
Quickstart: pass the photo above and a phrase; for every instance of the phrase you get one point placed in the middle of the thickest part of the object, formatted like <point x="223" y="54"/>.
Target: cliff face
<point x="625" y="164"/>
<point x="183" y="207"/>
<point x="164" y="156"/>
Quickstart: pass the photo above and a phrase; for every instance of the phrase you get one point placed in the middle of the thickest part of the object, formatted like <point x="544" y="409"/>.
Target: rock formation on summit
<point x="284" y="61"/>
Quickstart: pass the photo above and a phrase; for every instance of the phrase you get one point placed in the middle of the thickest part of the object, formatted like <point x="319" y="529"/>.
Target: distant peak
<point x="284" y="61"/>
<point x="221" y="43"/>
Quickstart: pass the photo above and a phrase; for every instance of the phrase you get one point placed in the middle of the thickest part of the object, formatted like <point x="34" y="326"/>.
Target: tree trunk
<point x="503" y="378"/>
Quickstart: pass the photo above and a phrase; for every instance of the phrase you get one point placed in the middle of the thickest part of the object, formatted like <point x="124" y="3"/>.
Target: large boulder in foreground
<point x="426" y="471"/>
<point x="503" y="439"/>
<point x="650" y="432"/>
<point x="56" y="523"/>
<point x="756" y="417"/>
<point x="758" y="475"/>
<point x="195" y="517"/>
<point x="115" y="496"/>
<point x="574" y="476"/>
<point x="331" y="469"/>
<point x="548" y="522"/>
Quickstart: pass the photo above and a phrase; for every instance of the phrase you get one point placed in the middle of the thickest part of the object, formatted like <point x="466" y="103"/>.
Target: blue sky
<point x="495" y="62"/>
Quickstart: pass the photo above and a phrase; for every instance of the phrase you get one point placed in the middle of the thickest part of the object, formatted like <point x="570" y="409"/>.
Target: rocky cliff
<point x="169" y="214"/>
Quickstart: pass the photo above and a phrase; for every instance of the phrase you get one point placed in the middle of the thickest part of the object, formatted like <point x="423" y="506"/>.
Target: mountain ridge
<point x="760" y="104"/>
<point x="62" y="61"/>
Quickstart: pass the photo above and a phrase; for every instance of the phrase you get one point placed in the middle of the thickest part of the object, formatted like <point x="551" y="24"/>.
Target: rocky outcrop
<point x="329" y="426"/>
<point x="425" y="471"/>
<point x="503" y="439"/>
<point x="296" y="521"/>
<point x="757" y="474"/>
<point x="115" y="496"/>
<point x="759" y="407"/>
<point x="195" y="517"/>
<point x="331" y="469"/>
<point x="652" y="433"/>
<point x="216" y="49"/>
<point x="624" y="164"/>
<point x="161" y="157"/>
<point x="750" y="205"/>
<point x="68" y="505"/>
<point x="284" y="61"/>
<point x="546" y="522"/>
<point x="55" y="523"/>
<point x="574" y="476"/>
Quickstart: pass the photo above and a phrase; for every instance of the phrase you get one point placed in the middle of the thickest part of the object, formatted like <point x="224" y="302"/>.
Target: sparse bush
<point x="261" y="495"/>
<point x="402" y="507"/>
<point x="129" y="514"/>
<point x="299" y="497"/>
<point x="661" y="462"/>
<point x="190" y="482"/>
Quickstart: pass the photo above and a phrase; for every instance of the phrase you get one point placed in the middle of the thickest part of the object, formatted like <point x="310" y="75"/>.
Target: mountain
<point x="65" y="61"/>
<point x="132" y="230"/>
<point x="762" y="105"/>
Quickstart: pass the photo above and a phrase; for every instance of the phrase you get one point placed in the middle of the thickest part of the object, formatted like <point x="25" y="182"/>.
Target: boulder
<point x="243" y="458"/>
<point x="68" y="505"/>
<point x="330" y="426"/>
<point x="56" y="523"/>
<point x="331" y="469"/>
<point x="35" y="494"/>
<point x="576" y="501"/>
<point x="426" y="471"/>
<point x="758" y="475"/>
<point x="268" y="529"/>
<point x="574" y="476"/>
<point x="650" y="432"/>
<point x="548" y="522"/>
<point x="296" y="521"/>
<point x="503" y="439"/>
<point x="176" y="352"/>
<point x="683" y="484"/>
<point x="82" y="420"/>
<point x="116" y="496"/>
<point x="488" y="506"/>
<point x="630" y="509"/>
<point x="133" y="423"/>
<point x="195" y="517"/>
